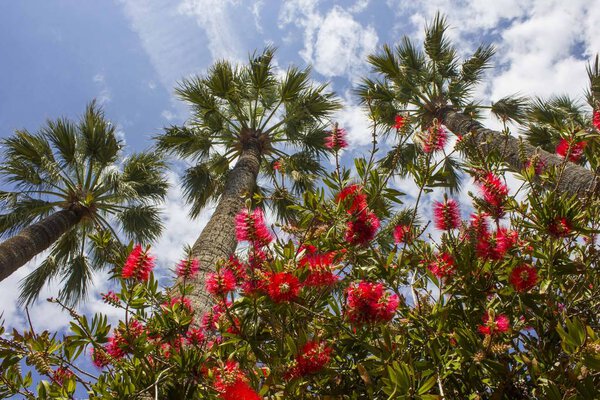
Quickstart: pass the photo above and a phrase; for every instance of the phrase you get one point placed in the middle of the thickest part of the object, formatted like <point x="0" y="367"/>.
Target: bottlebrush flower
<point x="402" y="234"/>
<point x="211" y="318"/>
<point x="320" y="267"/>
<point x="232" y="384"/>
<point x="493" y="189"/>
<point x="238" y="269"/>
<point x="399" y="122"/>
<point x="116" y="346"/>
<point x="282" y="287"/>
<point x="188" y="268"/>
<point x="138" y="265"/>
<point x="596" y="119"/>
<point x="220" y="283"/>
<point x="336" y="139"/>
<point x="111" y="298"/>
<point x="446" y="215"/>
<point x="369" y="303"/>
<point x="99" y="357"/>
<point x="523" y="277"/>
<point x="499" y="325"/>
<point x="362" y="228"/>
<point x="572" y="148"/>
<point x="560" y="227"/>
<point x="312" y="358"/>
<point x="442" y="266"/>
<point x="250" y="226"/>
<point x="61" y="374"/>
<point x="278" y="166"/>
<point x="434" y="138"/>
<point x="195" y="336"/>
<point x="353" y="198"/>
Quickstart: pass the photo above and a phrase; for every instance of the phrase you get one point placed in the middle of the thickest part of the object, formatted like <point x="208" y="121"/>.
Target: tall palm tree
<point x="436" y="84"/>
<point x="244" y="120"/>
<point x="70" y="189"/>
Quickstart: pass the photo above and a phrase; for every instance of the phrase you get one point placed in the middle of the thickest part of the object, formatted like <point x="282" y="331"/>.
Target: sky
<point x="56" y="56"/>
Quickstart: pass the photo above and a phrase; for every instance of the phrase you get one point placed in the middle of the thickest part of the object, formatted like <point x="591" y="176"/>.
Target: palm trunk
<point x="18" y="250"/>
<point x="575" y="180"/>
<point x="218" y="240"/>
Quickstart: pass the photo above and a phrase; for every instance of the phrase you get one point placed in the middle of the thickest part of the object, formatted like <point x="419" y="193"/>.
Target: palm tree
<point x="436" y="84"/>
<point x="70" y="188"/>
<point x="244" y="120"/>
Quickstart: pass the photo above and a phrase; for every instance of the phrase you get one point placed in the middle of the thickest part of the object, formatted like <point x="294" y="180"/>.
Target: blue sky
<point x="57" y="55"/>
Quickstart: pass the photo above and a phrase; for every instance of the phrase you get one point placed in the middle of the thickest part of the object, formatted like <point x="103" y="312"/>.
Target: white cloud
<point x="105" y="95"/>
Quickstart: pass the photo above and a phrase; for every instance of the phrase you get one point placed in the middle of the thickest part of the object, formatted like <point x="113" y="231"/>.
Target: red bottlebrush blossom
<point x="61" y="374"/>
<point x="320" y="267"/>
<point x="211" y="318"/>
<point x="499" y="325"/>
<point x="523" y="277"/>
<point x="572" y="148"/>
<point x="283" y="286"/>
<point x="195" y="336"/>
<point x="138" y="264"/>
<point x="220" y="283"/>
<point x="111" y="298"/>
<point x="353" y="198"/>
<point x="99" y="357"/>
<point x="173" y="346"/>
<point x="479" y="225"/>
<point x="596" y="119"/>
<point x="188" y="268"/>
<point x="278" y="165"/>
<point x="251" y="227"/>
<point x="116" y="345"/>
<point x="336" y="139"/>
<point x="321" y="279"/>
<point x="446" y="215"/>
<point x="493" y="189"/>
<point x="505" y="240"/>
<point x="399" y="122"/>
<point x="402" y="234"/>
<point x="232" y="384"/>
<point x="560" y="227"/>
<point x="238" y="269"/>
<point x="369" y="303"/>
<point x="362" y="229"/>
<point x="442" y="266"/>
<point x="312" y="358"/>
<point x="434" y="138"/>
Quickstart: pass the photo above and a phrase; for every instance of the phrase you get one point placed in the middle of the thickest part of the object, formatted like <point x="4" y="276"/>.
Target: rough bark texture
<point x="218" y="240"/>
<point x="34" y="239"/>
<point x="574" y="180"/>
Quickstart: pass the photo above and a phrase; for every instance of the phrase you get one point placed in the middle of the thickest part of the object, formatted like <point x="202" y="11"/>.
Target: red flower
<point x="523" y="277"/>
<point x="232" y="384"/>
<point x="336" y="139"/>
<point x="99" y="357"/>
<point x="111" y="298"/>
<point x="238" y="268"/>
<point x="368" y="303"/>
<point x="195" y="336"/>
<point x="320" y="267"/>
<point x="442" y="266"/>
<point x="434" y="138"/>
<point x="220" y="283"/>
<point x="596" y="119"/>
<point x="188" y="268"/>
<point x="138" y="265"/>
<point x="399" y="122"/>
<point x="402" y="234"/>
<point x="446" y="215"/>
<point x="211" y="318"/>
<point x="312" y="358"/>
<point x="493" y="189"/>
<point x="61" y="374"/>
<point x="282" y="287"/>
<point x="277" y="165"/>
<point x="362" y="229"/>
<point x="560" y="227"/>
<point x="251" y="227"/>
<point x="572" y="148"/>
<point x="499" y="325"/>
<point x="353" y="198"/>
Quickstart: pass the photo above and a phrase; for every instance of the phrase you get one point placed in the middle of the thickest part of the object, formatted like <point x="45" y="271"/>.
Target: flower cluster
<point x="369" y="303"/>
<point x="319" y="266"/>
<point x="138" y="265"/>
<point x="491" y="245"/>
<point x="250" y="226"/>
<point x="446" y="215"/>
<point x="313" y="356"/>
<point x="399" y="122"/>
<point x="560" y="227"/>
<point x="336" y="139"/>
<point x="596" y="119"/>
<point x="363" y="223"/>
<point x="523" y="277"/>
<point x="442" y="265"/>
<point x="402" y="234"/>
<point x="492" y="326"/>
<point x="232" y="384"/>
<point x="494" y="192"/>
<point x="188" y="268"/>
<point x="434" y="138"/>
<point x="221" y="282"/>
<point x="571" y="149"/>
<point x="283" y="287"/>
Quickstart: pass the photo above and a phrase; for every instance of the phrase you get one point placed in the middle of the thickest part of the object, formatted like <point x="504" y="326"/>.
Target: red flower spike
<point x="493" y="189"/>
<point x="188" y="268"/>
<point x="596" y="119"/>
<point x="500" y="324"/>
<point x="362" y="229"/>
<point x="523" y="277"/>
<point x="446" y="215"/>
<point x="138" y="265"/>
<point x="560" y="227"/>
<point x="283" y="287"/>
<point x="312" y="358"/>
<point x="399" y="122"/>
<point x="434" y="138"/>
<point x="195" y="336"/>
<point x="572" y="148"/>
<point x="232" y="384"/>
<point x="336" y="139"/>
<point x="402" y="234"/>
<point x="220" y="283"/>
<point x="368" y="303"/>
<point x="99" y="357"/>
<point x="250" y="226"/>
<point x="61" y="374"/>
<point x="353" y="197"/>
<point x="442" y="266"/>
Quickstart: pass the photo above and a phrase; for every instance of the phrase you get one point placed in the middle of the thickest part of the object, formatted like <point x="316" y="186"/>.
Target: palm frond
<point x="76" y="282"/>
<point x="185" y="141"/>
<point x="141" y="223"/>
<point x="145" y="172"/>
<point x="99" y="142"/>
<point x="511" y="108"/>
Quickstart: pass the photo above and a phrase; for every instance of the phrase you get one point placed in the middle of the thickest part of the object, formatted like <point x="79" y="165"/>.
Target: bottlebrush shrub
<point x="503" y="305"/>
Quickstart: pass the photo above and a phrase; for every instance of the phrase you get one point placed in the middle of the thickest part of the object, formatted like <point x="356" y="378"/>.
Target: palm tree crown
<point x="77" y="168"/>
